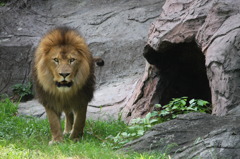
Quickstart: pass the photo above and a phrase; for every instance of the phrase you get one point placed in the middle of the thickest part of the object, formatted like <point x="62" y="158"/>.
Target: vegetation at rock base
<point x="164" y="113"/>
<point x="180" y="106"/>
<point x="22" y="92"/>
<point x="27" y="137"/>
<point x="3" y="2"/>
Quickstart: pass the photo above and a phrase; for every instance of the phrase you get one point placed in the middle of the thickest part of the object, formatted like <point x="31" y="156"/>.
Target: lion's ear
<point x="99" y="61"/>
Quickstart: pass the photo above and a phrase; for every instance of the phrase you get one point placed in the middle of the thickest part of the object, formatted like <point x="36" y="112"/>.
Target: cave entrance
<point x="181" y="70"/>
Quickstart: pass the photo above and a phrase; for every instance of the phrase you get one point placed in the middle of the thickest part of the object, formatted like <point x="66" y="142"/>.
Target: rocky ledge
<point x="194" y="135"/>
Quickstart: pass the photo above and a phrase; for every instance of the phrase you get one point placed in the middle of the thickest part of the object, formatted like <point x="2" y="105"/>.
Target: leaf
<point x="205" y="103"/>
<point x="192" y="101"/>
<point x="192" y="109"/>
<point x="146" y="127"/>
<point x="154" y="114"/>
<point x="183" y="109"/>
<point x="174" y="107"/>
<point x="158" y="105"/>
<point x="134" y="127"/>
<point x="153" y="121"/>
<point x="134" y="134"/>
<point x="200" y="102"/>
<point x="140" y="132"/>
<point x="124" y="134"/>
<point x="148" y="116"/>
<point x="146" y="121"/>
<point x="134" y="121"/>
<point x="183" y="102"/>
<point x="164" y="113"/>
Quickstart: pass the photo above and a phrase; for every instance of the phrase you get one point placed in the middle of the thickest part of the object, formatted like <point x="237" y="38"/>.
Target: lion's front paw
<point x="53" y="142"/>
<point x="67" y="132"/>
<point x="56" y="140"/>
<point x="76" y="137"/>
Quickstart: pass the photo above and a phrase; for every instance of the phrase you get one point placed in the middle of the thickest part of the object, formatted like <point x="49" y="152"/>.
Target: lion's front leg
<point x="55" y="126"/>
<point x="68" y="122"/>
<point x="79" y="123"/>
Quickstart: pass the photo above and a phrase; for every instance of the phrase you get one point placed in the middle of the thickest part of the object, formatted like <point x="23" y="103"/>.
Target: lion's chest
<point x="68" y="103"/>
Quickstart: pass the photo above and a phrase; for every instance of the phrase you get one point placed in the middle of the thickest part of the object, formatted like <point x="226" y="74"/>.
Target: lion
<point x="63" y="75"/>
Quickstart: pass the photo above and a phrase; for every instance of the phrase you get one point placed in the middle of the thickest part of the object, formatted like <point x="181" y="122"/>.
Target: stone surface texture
<point x="194" y="135"/>
<point x="115" y="30"/>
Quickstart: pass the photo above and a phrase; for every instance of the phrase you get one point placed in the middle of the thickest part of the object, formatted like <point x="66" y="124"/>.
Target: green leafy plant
<point x="181" y="106"/>
<point x="136" y="129"/>
<point x="22" y="91"/>
<point x="3" y="2"/>
<point x="167" y="112"/>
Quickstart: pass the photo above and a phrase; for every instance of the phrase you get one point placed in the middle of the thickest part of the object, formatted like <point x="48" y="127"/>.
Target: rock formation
<point x="193" y="135"/>
<point x="193" y="49"/>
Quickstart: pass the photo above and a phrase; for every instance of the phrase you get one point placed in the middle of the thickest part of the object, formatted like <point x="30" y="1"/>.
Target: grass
<point x="28" y="137"/>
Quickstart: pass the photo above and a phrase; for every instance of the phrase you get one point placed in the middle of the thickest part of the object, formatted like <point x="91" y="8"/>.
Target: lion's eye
<point x="56" y="60"/>
<point x="72" y="60"/>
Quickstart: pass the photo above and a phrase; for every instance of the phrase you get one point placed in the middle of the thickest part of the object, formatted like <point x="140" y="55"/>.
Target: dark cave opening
<point x="181" y="72"/>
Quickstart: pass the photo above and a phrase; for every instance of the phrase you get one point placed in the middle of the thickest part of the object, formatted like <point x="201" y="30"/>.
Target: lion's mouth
<point x="64" y="84"/>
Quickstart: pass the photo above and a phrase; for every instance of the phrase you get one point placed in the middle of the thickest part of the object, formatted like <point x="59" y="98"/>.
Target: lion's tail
<point x="99" y="61"/>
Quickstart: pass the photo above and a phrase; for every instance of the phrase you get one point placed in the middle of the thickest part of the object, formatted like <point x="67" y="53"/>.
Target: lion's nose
<point x="64" y="74"/>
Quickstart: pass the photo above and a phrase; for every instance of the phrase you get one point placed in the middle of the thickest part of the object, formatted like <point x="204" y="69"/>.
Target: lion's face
<point x="62" y="62"/>
<point x="69" y="69"/>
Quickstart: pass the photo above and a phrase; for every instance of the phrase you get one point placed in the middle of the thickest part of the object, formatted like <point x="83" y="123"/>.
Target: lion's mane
<point x="46" y="90"/>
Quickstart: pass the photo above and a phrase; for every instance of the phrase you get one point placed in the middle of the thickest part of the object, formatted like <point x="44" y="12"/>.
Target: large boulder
<point x="194" y="135"/>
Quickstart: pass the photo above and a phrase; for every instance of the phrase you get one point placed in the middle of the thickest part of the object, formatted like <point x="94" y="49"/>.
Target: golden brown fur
<point x="63" y="73"/>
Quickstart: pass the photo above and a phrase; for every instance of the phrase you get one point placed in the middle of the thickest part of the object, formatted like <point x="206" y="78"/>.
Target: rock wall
<point x="116" y="30"/>
<point x="222" y="55"/>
